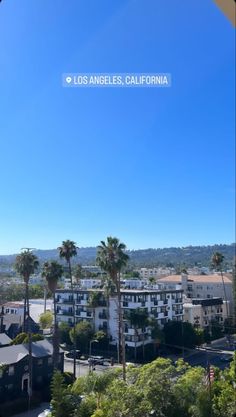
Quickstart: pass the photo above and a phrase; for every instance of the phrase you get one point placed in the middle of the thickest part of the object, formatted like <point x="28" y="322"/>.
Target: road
<point x="33" y="413"/>
<point x="82" y="368"/>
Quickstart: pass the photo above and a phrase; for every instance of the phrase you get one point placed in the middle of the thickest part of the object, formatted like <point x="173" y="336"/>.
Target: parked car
<point x="70" y="355"/>
<point x="96" y="360"/>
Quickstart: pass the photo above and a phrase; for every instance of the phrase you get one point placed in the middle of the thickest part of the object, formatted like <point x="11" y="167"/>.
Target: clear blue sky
<point x="155" y="167"/>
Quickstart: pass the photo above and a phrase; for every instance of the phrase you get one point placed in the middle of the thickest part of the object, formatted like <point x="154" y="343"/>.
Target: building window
<point x="39" y="378"/>
<point x="50" y="361"/>
<point x="10" y="386"/>
<point x="40" y="361"/>
<point x="11" y="370"/>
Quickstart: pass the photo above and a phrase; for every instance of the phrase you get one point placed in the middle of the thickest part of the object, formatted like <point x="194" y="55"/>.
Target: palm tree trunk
<point x="73" y="312"/>
<point x="223" y="283"/>
<point x="143" y="347"/>
<point x="121" y="330"/>
<point x="55" y="335"/>
<point x="27" y="327"/>
<point x="135" y="345"/>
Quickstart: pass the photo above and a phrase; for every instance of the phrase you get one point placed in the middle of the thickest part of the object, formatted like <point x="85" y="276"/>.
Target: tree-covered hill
<point x="189" y="256"/>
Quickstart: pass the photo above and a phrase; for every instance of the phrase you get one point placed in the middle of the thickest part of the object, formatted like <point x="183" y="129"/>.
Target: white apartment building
<point x="88" y="283"/>
<point x="202" y="286"/>
<point x="146" y="273"/>
<point x="162" y="305"/>
<point x="201" y="312"/>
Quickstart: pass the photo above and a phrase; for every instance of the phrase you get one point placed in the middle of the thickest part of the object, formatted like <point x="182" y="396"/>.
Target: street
<point x="82" y="367"/>
<point x="33" y="413"/>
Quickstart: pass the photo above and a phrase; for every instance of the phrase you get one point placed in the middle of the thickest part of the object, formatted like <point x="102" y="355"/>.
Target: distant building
<point x="147" y="273"/>
<point x="201" y="312"/>
<point x="36" y="308"/>
<point x="14" y="369"/>
<point x="87" y="283"/>
<point x="202" y="286"/>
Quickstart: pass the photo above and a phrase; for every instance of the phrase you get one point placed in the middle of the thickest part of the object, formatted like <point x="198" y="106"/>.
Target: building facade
<point x="202" y="312"/>
<point x="14" y="369"/>
<point x="202" y="286"/>
<point x="161" y="305"/>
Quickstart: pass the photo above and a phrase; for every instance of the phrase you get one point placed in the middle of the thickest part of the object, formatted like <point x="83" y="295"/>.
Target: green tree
<point x="64" y="333"/>
<point x="52" y="272"/>
<point x="68" y="250"/>
<point x="78" y="274"/>
<point x="156" y="333"/>
<point x="139" y="320"/>
<point x="83" y="334"/>
<point x="217" y="261"/>
<point x="93" y="302"/>
<point x="61" y="403"/>
<point x="46" y="320"/>
<point x="26" y="265"/>
<point x="112" y="258"/>
<point x="179" y="334"/>
<point x="23" y="338"/>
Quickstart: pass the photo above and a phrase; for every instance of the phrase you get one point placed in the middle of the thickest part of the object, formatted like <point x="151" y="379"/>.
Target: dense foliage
<point x="159" y="389"/>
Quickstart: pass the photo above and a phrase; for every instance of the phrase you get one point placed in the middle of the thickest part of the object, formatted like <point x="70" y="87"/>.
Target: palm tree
<point x="26" y="264"/>
<point x="52" y="272"/>
<point x="156" y="333"/>
<point x="78" y="274"/>
<point x="109" y="289"/>
<point x="139" y="319"/>
<point x="112" y="258"/>
<point x="217" y="261"/>
<point x="68" y="250"/>
<point x="93" y="302"/>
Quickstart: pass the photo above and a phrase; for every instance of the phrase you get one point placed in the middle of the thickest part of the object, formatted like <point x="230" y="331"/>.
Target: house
<point x="12" y="325"/>
<point x="14" y="369"/>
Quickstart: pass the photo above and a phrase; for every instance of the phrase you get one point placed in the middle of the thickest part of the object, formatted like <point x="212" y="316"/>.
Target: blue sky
<point x="155" y="167"/>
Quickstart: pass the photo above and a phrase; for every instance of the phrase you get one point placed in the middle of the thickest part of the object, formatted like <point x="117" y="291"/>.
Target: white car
<point x="45" y="413"/>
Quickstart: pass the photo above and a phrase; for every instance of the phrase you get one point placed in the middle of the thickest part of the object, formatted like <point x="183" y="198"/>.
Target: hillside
<point x="189" y="256"/>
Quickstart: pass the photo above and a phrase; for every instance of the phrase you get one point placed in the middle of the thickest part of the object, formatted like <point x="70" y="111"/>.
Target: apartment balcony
<point x="178" y="312"/>
<point x="177" y="301"/>
<point x="64" y="301"/>
<point x="83" y="314"/>
<point x="132" y="304"/>
<point x="102" y="316"/>
<point x="65" y="313"/>
<point x="82" y="302"/>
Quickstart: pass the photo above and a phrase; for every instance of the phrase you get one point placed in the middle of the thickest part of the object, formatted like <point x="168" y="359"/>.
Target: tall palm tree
<point x="217" y="261"/>
<point x="109" y="289"/>
<point x="26" y="265"/>
<point x="52" y="272"/>
<point x="68" y="250"/>
<point x="112" y="258"/>
<point x="93" y="302"/>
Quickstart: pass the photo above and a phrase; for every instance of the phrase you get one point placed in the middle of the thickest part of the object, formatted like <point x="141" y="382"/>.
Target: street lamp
<point x="90" y="345"/>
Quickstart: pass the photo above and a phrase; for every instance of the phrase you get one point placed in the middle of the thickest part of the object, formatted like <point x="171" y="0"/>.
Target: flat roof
<point x="214" y="278"/>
